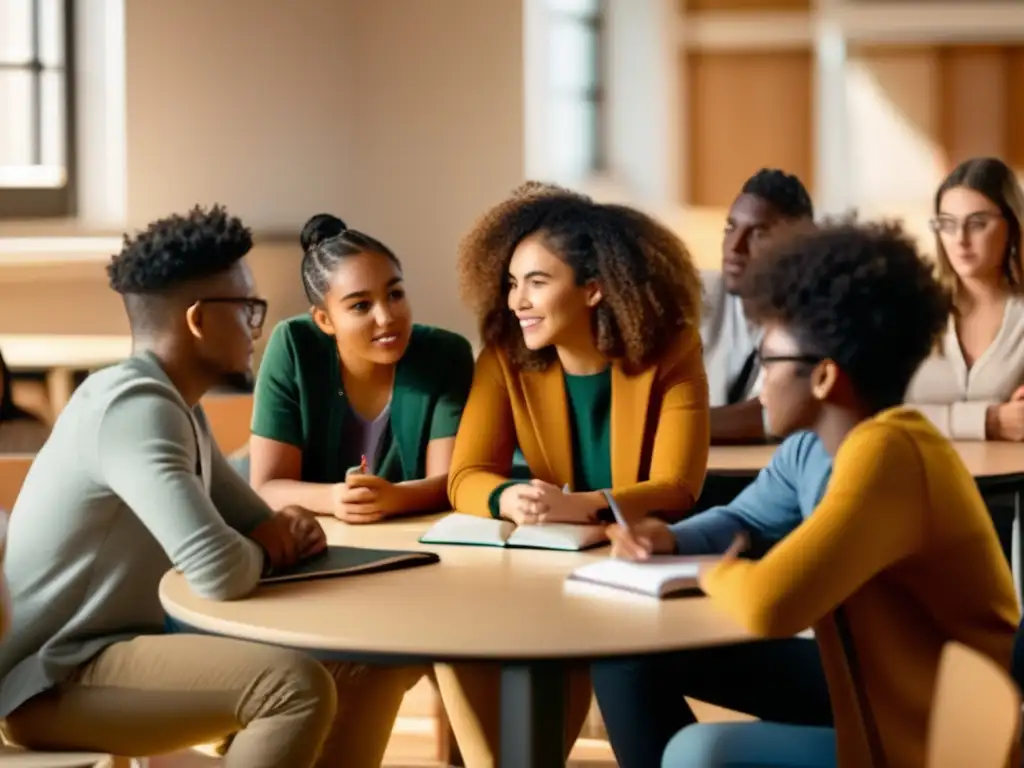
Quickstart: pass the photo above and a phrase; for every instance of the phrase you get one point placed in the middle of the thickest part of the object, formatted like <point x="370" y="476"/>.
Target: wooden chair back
<point x="975" y="716"/>
<point x="230" y="417"/>
<point x="13" y="468"/>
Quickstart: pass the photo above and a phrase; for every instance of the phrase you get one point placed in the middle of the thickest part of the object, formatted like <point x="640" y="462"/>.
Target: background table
<point x="506" y="606"/>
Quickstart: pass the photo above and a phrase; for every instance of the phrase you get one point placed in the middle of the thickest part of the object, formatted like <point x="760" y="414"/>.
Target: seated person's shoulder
<point x="299" y="332"/>
<point x="134" y="396"/>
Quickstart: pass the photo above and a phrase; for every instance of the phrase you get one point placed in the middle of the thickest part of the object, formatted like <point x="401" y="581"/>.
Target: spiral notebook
<point x="350" y="561"/>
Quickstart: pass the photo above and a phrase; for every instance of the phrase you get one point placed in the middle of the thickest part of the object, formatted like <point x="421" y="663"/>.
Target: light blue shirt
<point x="781" y="497"/>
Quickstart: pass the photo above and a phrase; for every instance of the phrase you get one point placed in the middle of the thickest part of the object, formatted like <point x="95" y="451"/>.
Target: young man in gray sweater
<point x="129" y="485"/>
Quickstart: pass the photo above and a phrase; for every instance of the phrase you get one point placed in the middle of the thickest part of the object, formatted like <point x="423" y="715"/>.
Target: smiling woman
<point x="592" y="366"/>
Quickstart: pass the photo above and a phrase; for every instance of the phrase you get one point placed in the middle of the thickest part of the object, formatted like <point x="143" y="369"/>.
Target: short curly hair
<point x="783" y="191"/>
<point x="859" y="295"/>
<point x="651" y="289"/>
<point x="177" y="249"/>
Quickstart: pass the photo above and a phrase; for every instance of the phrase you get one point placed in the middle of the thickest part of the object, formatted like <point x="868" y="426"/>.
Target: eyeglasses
<point x="255" y="309"/>
<point x="972" y="224"/>
<point x="796" y="358"/>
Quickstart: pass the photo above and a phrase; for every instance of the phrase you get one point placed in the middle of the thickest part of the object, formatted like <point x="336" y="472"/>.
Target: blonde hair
<point x="991" y="177"/>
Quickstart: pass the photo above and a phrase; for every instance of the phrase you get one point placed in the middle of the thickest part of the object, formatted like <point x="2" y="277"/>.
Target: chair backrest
<point x="229" y="417"/>
<point x="13" y="468"/>
<point x="975" y="716"/>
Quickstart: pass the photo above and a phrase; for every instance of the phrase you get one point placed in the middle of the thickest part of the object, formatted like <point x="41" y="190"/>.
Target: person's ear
<point x="322" y="320"/>
<point x="594" y="294"/>
<point x="823" y="379"/>
<point x="194" y="320"/>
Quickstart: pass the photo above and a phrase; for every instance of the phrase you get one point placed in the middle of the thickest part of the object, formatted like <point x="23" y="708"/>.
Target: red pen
<point x="364" y="465"/>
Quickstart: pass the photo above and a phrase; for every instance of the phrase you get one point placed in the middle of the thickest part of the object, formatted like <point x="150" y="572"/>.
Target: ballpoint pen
<point x="619" y="517"/>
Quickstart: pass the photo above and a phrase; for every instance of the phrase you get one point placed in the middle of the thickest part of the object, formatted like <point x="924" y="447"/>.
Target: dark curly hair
<point x="327" y="240"/>
<point x="859" y="295"/>
<point x="174" y="250"/>
<point x="651" y="289"/>
<point x="783" y="191"/>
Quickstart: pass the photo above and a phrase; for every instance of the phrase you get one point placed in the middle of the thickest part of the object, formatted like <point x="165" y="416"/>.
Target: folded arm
<point x="870" y="517"/>
<point x="958" y="421"/>
<point x="146" y="454"/>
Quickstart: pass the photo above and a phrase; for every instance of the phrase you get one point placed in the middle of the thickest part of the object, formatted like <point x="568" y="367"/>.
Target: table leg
<point x="533" y="715"/>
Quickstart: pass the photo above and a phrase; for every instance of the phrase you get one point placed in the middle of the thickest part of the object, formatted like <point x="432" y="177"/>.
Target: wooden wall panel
<point x="693" y="6"/>
<point x="746" y="111"/>
<point x="1015" y="108"/>
<point x="973" y="102"/>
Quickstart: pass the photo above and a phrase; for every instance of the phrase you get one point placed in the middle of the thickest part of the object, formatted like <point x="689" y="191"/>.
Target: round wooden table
<point x="507" y="606"/>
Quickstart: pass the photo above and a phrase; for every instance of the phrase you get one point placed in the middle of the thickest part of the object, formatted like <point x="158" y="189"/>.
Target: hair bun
<point x="320" y="227"/>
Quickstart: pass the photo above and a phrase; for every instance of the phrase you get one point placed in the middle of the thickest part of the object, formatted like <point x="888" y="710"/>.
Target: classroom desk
<point x="505" y="606"/>
<point x="60" y="357"/>
<point x="997" y="467"/>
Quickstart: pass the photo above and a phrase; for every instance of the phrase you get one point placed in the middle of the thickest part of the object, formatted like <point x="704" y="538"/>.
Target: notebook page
<point x="557" y="536"/>
<point x="460" y="528"/>
<point x="649" y="577"/>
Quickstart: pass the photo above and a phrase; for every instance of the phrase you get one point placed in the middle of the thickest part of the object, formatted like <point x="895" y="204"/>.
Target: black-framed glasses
<point x="255" y="309"/>
<point x="806" y="359"/>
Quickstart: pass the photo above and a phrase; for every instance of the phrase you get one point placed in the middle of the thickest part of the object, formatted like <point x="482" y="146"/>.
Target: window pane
<point x="15" y="31"/>
<point x="572" y="133"/>
<point x="573" y="57"/>
<point x="578" y="7"/>
<point x="51" y="32"/>
<point x="54" y="119"/>
<point x="16" y="125"/>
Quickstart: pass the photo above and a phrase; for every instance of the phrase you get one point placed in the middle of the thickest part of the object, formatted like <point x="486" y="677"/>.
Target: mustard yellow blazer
<point x="660" y="431"/>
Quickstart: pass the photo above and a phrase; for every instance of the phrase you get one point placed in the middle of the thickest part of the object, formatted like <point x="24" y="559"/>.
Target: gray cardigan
<point x="129" y="485"/>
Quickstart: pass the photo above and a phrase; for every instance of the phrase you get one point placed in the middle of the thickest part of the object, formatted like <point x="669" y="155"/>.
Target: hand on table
<point x="288" y="536"/>
<point x="366" y="499"/>
<point x="642" y="539"/>
<point x="542" y="502"/>
<point x="1006" y="420"/>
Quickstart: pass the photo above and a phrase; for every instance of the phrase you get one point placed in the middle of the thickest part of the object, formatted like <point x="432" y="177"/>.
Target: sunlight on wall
<point x="894" y="161"/>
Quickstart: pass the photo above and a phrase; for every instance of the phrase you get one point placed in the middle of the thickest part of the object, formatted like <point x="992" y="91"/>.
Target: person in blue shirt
<point x="641" y="698"/>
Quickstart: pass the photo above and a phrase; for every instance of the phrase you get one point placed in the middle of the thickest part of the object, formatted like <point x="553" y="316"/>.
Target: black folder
<point x="350" y="561"/>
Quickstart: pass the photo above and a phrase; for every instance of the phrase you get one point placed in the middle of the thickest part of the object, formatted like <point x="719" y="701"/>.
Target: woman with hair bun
<point x="355" y="414"/>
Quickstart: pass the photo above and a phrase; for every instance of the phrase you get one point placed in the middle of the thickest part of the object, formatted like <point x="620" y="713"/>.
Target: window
<point x="36" y="108"/>
<point x="576" y="119"/>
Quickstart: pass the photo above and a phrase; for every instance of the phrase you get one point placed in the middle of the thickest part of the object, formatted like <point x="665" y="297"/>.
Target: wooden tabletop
<point x="983" y="459"/>
<point x="482" y="603"/>
<point x="31" y="351"/>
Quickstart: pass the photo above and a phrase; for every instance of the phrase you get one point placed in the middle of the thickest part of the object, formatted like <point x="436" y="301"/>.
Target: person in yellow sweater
<point x="592" y="367"/>
<point x="900" y="556"/>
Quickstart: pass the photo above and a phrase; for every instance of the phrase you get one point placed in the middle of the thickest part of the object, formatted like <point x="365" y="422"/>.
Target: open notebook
<point x="459" y="528"/>
<point x="661" y="576"/>
<point x="349" y="561"/>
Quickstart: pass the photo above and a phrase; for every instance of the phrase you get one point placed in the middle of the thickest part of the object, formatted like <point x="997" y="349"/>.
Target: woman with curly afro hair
<point x="592" y="367"/>
<point x="899" y="556"/>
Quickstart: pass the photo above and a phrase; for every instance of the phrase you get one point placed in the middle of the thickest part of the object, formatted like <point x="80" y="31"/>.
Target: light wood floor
<point x="414" y="742"/>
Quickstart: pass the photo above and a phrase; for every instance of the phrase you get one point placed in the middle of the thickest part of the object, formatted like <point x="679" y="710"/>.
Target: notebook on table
<point x="350" y="561"/>
<point x="459" y="528"/>
<point x="661" y="576"/>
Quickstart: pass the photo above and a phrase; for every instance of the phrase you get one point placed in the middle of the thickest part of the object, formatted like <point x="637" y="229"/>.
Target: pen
<point x="619" y="518"/>
<point x="364" y="465"/>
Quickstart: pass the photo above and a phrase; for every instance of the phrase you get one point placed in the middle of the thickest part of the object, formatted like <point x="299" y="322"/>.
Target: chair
<point x="975" y="718"/>
<point x="13" y="468"/>
<point x="229" y="417"/>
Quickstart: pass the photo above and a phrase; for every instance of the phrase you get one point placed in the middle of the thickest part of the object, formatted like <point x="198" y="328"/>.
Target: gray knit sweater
<point x="129" y="485"/>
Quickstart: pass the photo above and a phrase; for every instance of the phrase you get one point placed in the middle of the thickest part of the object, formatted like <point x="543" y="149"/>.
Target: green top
<point x="299" y="399"/>
<point x="590" y="406"/>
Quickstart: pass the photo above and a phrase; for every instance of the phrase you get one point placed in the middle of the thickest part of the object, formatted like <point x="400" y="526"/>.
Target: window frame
<point x="596" y="95"/>
<point x="27" y="202"/>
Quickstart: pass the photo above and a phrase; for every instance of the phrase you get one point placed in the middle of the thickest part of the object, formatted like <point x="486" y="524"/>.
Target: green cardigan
<point x="299" y="398"/>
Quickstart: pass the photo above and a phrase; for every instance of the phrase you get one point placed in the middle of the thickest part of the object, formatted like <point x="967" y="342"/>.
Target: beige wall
<point x="405" y="118"/>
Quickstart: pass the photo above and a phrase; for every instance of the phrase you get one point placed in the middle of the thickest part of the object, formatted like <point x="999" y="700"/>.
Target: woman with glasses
<point x="970" y="387"/>
<point x="355" y="414"/>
